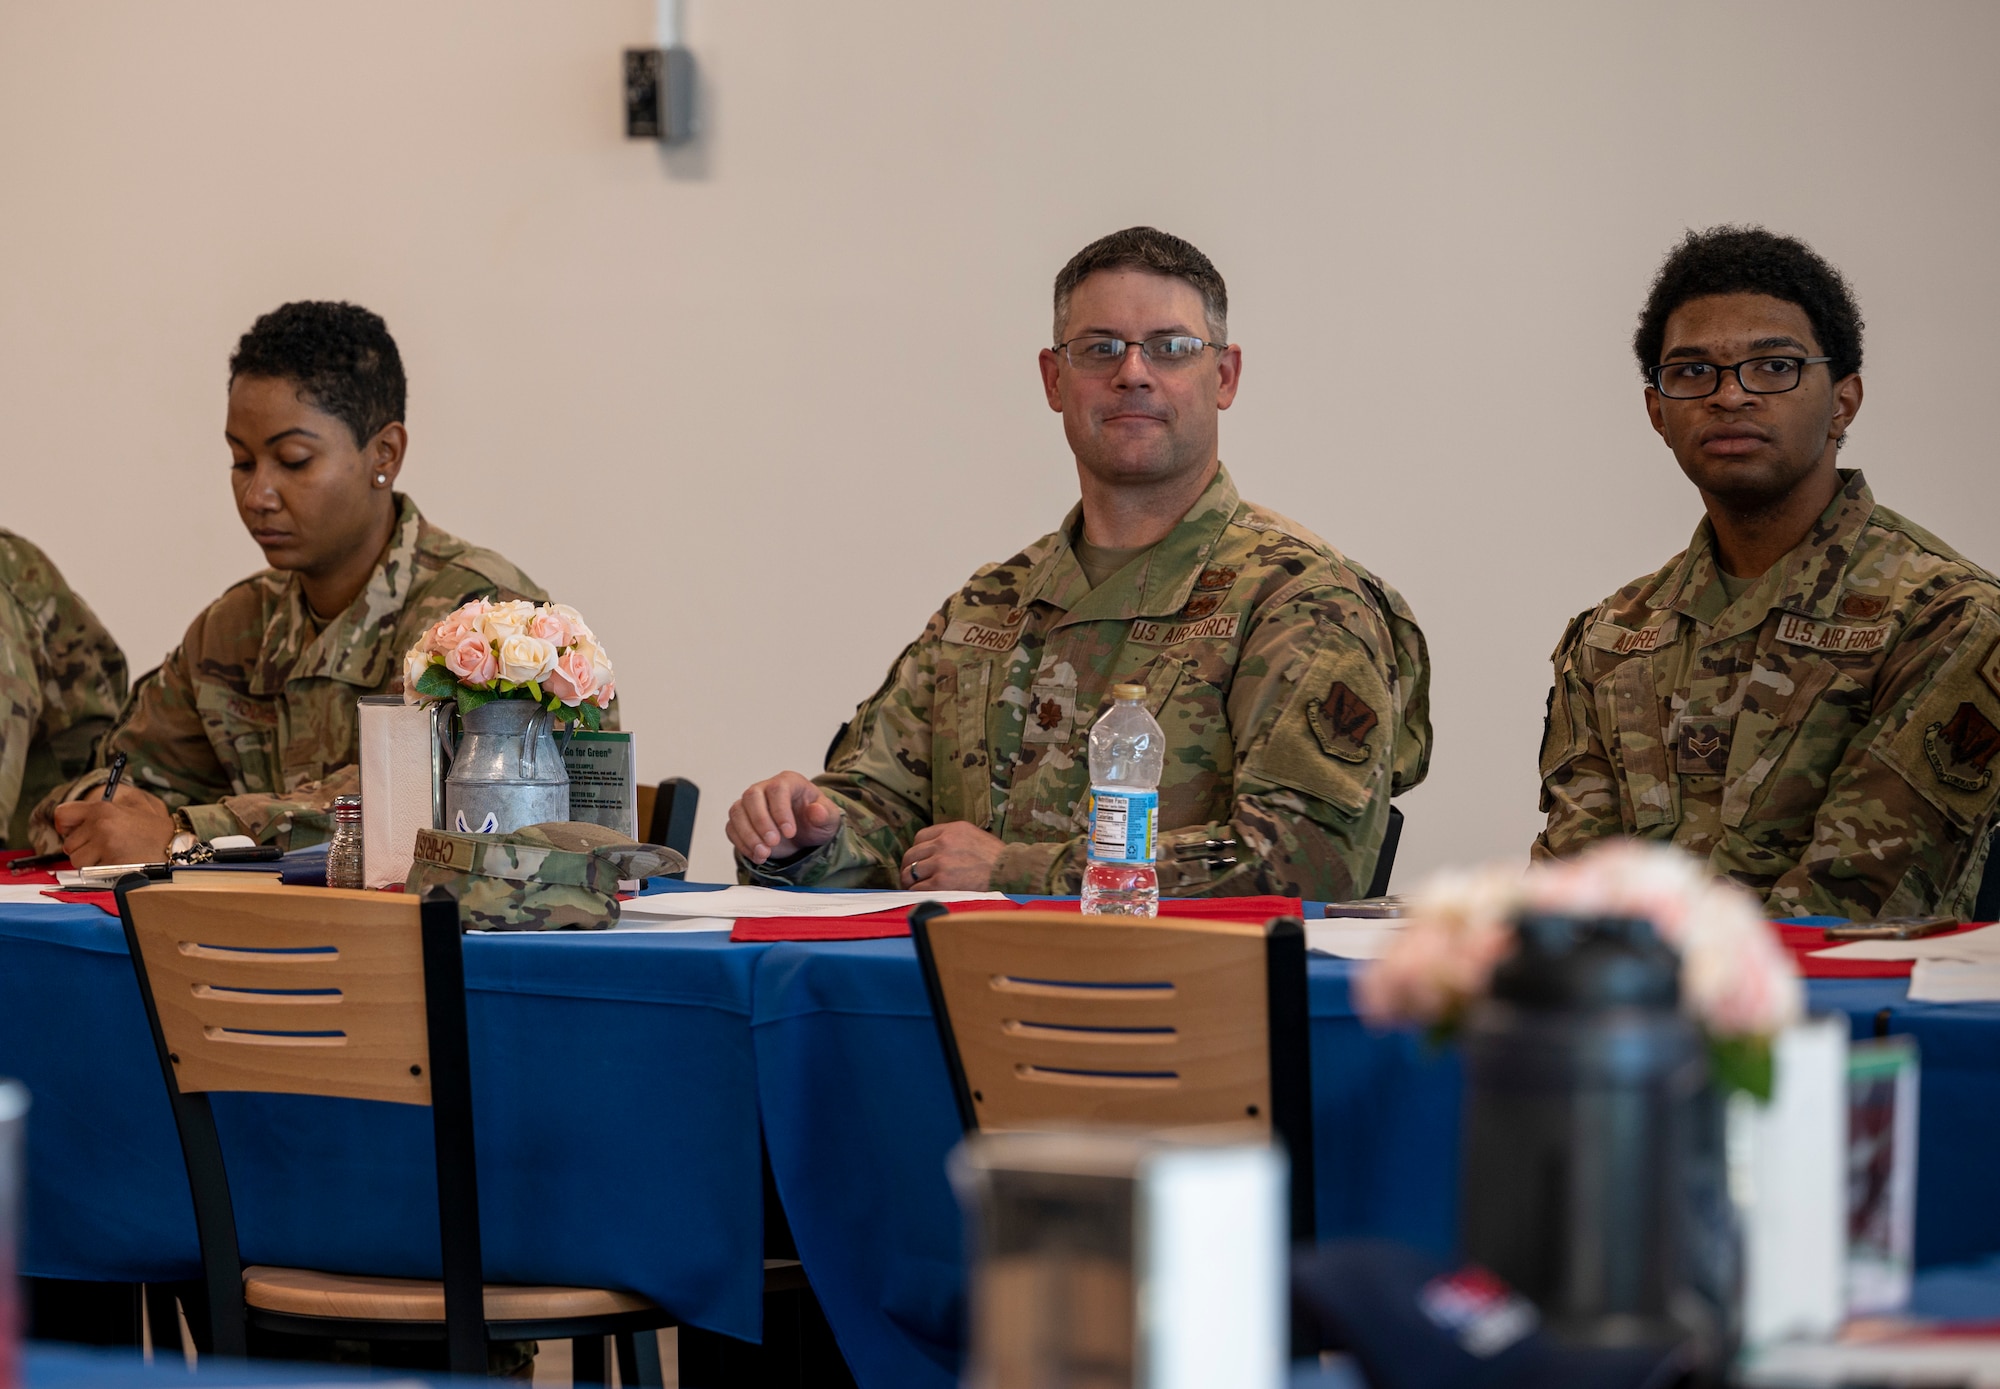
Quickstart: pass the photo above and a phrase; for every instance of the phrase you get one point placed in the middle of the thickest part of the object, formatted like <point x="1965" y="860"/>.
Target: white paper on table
<point x="1352" y="938"/>
<point x="19" y="894"/>
<point x="1955" y="981"/>
<point x="1973" y="947"/>
<point x="673" y="924"/>
<point x="738" y="902"/>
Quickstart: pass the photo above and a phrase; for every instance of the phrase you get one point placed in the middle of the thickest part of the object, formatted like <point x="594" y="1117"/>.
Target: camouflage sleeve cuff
<point x="211" y="821"/>
<point x="788" y="873"/>
<point x="1030" y="869"/>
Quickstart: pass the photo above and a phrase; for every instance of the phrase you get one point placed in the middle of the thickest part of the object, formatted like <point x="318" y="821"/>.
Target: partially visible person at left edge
<point x="62" y="679"/>
<point x="249" y="727"/>
<point x="1808" y="696"/>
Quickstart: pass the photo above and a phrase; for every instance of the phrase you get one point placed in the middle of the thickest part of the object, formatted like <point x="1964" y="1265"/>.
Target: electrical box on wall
<point x="659" y="94"/>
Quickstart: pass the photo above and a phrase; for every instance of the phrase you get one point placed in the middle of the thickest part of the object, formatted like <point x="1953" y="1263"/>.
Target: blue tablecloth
<point x="621" y="1079"/>
<point x="858" y="1117"/>
<point x="616" y="1124"/>
<point x="51" y="1365"/>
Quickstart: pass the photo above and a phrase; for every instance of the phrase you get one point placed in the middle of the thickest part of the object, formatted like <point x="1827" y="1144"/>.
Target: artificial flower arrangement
<point x="485" y="651"/>
<point x="1737" y="981"/>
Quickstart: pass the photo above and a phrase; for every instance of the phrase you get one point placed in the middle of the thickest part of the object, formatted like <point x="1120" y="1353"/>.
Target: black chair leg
<point x="639" y="1364"/>
<point x="586" y="1360"/>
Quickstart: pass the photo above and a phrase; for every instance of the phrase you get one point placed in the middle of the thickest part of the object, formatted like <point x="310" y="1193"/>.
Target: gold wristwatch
<point x="184" y="837"/>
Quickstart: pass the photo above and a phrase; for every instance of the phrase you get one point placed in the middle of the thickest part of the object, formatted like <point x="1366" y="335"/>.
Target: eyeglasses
<point x="1757" y="375"/>
<point x="1101" y="356"/>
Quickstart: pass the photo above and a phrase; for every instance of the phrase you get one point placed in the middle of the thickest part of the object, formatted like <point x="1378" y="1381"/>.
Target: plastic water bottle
<point x="343" y="854"/>
<point x="1127" y="751"/>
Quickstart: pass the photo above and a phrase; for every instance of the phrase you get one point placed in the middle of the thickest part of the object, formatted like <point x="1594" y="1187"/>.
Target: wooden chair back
<point x="1052" y="1020"/>
<point x="310" y="991"/>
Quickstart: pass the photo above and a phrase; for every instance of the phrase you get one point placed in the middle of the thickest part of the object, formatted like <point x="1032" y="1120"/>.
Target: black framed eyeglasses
<point x="1098" y="355"/>
<point x="1756" y="375"/>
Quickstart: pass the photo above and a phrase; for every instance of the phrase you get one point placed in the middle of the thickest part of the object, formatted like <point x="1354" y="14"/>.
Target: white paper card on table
<point x="1955" y="981"/>
<point x="669" y="925"/>
<point x="26" y="894"/>
<point x="401" y="782"/>
<point x="603" y="780"/>
<point x="737" y="902"/>
<point x="1974" y="947"/>
<point x="1351" y="938"/>
<point x="1788" y="1175"/>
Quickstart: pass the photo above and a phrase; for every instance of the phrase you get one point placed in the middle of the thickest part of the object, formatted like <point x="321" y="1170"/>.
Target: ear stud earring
<point x="381" y="479"/>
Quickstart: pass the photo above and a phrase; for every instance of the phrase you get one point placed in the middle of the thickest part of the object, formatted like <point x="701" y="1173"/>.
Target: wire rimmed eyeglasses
<point x="1756" y="375"/>
<point x="1102" y="355"/>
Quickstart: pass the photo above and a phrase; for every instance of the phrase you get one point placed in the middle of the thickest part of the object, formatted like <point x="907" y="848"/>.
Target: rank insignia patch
<point x="1703" y="750"/>
<point x="1051" y="714"/>
<point x="1961" y="748"/>
<point x="1342" y="722"/>
<point x="1991" y="670"/>
<point x="1216" y="577"/>
<point x="1862" y="606"/>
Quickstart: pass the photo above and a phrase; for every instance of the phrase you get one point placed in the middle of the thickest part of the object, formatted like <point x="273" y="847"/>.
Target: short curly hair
<point x="340" y="356"/>
<point x="1753" y="260"/>
<point x="1147" y="248"/>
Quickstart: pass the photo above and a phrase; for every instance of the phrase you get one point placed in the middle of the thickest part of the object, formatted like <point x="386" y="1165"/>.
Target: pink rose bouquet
<point x="485" y="651"/>
<point x="1737" y="981"/>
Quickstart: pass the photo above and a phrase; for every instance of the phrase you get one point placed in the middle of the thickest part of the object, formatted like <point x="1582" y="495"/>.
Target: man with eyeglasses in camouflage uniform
<point x="1293" y="685"/>
<point x="1808" y="696"/>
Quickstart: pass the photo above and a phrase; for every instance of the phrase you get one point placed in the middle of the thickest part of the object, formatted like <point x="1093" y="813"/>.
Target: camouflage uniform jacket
<point x="1826" y="740"/>
<point x="249" y="727"/>
<point x="1293" y="687"/>
<point x="62" y="679"/>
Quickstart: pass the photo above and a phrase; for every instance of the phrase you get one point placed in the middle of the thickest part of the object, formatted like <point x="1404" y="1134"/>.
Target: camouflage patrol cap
<point x="548" y="877"/>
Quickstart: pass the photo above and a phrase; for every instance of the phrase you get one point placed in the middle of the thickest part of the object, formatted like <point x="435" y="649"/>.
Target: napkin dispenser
<point x="403" y="766"/>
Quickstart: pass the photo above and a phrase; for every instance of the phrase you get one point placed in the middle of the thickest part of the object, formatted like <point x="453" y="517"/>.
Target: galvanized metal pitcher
<point x="506" y="771"/>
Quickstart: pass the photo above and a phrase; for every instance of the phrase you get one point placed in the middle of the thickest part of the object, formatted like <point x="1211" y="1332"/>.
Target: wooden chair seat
<point x="305" y="1292"/>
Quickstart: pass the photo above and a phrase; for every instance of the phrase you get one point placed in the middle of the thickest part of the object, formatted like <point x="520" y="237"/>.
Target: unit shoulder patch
<point x="1342" y="722"/>
<point x="1961" y="748"/>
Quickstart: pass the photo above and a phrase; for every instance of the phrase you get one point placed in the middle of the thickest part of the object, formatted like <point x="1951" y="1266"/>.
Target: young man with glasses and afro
<point x="1808" y="696"/>
<point x="1293" y="685"/>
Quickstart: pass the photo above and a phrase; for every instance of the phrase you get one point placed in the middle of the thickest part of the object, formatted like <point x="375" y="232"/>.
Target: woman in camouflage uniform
<point x="249" y="726"/>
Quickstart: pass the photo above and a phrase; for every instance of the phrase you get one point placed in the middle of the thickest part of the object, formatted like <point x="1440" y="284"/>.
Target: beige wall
<point x="756" y="407"/>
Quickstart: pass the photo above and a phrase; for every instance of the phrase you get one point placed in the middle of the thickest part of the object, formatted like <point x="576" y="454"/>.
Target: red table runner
<point x="29" y="877"/>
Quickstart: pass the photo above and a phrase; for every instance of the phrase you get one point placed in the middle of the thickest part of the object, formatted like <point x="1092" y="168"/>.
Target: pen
<point x="117" y="775"/>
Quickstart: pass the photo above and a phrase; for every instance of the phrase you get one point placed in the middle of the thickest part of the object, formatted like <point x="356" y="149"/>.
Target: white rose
<point x="599" y="662"/>
<point x="525" y="658"/>
<point x="504" y="620"/>
<point x="414" y="663"/>
<point x="574" y="618"/>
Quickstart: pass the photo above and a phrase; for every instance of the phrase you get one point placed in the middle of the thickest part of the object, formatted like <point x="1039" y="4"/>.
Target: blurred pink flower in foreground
<point x="1736" y="978"/>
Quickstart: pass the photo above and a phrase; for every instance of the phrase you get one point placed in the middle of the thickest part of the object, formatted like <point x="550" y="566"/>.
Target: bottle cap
<point x="1128" y="691"/>
<point x="346" y="808"/>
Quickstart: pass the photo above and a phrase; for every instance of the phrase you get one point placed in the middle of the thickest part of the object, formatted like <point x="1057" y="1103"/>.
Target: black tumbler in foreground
<point x="1584" y="1082"/>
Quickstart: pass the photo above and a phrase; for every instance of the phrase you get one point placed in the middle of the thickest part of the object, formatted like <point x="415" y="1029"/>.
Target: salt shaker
<point x="343" y="855"/>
